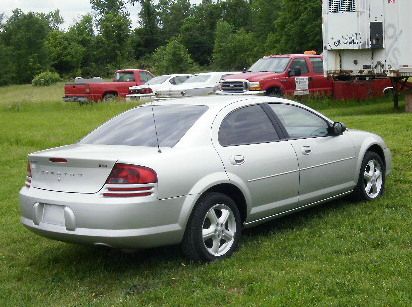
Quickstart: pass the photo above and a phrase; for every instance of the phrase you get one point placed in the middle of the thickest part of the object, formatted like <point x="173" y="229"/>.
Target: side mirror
<point x="244" y="70"/>
<point x="338" y="128"/>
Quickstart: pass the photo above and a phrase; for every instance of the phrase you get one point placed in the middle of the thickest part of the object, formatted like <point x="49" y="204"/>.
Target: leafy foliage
<point x="46" y="78"/>
<point x="172" y="58"/>
<point x="233" y="50"/>
<point x="25" y="35"/>
<point x="227" y="35"/>
<point x="298" y="27"/>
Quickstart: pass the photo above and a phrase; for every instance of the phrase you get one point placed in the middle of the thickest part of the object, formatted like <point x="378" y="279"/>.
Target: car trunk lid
<point x="79" y="168"/>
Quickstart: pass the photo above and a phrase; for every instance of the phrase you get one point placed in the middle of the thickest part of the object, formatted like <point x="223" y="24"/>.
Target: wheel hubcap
<point x="219" y="229"/>
<point x="372" y="178"/>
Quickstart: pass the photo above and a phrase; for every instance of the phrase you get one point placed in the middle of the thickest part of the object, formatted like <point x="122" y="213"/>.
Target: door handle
<point x="238" y="159"/>
<point x="306" y="150"/>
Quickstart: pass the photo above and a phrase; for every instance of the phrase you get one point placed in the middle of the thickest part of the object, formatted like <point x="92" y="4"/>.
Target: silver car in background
<point x="147" y="92"/>
<point x="201" y="84"/>
<point x="195" y="171"/>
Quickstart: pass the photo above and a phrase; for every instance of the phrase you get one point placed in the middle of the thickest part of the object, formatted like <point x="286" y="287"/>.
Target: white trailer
<point x="368" y="38"/>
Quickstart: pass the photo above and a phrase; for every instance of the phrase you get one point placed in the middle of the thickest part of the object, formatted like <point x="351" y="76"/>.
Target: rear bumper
<point x="75" y="99"/>
<point x="247" y="93"/>
<point x="93" y="219"/>
<point x="140" y="97"/>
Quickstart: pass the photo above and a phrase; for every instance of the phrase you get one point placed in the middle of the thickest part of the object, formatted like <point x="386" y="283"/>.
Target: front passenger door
<point x="326" y="162"/>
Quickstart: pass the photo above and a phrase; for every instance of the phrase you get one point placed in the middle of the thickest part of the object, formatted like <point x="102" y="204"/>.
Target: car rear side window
<point x="300" y="123"/>
<point x="136" y="127"/>
<point x="248" y="125"/>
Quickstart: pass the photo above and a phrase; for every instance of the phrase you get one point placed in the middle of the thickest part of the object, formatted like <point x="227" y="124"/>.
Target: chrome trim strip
<point x="301" y="169"/>
<point x="327" y="163"/>
<point x="297" y="208"/>
<point x="271" y="176"/>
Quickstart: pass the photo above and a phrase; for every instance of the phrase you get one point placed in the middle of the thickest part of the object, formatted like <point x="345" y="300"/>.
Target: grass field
<point x="341" y="253"/>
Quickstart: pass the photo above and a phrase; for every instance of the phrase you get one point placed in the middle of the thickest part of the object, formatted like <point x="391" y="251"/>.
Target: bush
<point x="46" y="78"/>
<point x="172" y="58"/>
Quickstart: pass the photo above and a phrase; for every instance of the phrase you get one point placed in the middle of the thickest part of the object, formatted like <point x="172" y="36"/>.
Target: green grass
<point x="340" y="253"/>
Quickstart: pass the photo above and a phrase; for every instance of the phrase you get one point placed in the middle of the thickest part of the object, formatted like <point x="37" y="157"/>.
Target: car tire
<point x="371" y="181"/>
<point x="213" y="230"/>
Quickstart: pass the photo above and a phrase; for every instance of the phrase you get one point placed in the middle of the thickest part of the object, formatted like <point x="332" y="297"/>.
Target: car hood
<point x="253" y="76"/>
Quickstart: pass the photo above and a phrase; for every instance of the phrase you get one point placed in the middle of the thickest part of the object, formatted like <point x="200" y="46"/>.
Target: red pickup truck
<point x="298" y="74"/>
<point x="85" y="90"/>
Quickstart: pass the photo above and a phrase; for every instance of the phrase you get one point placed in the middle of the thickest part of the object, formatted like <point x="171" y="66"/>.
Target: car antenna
<point x="157" y="136"/>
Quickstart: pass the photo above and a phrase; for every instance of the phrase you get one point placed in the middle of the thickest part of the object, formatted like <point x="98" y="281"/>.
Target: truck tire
<point x="109" y="97"/>
<point x="274" y="92"/>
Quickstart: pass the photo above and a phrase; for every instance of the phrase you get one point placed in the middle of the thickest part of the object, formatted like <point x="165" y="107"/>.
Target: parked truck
<point x="87" y="90"/>
<point x="366" y="39"/>
<point x="298" y="74"/>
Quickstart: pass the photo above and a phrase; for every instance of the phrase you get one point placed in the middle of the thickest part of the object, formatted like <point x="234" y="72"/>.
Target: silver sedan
<point x="195" y="171"/>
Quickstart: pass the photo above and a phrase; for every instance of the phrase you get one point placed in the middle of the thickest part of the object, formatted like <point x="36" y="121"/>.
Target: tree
<point x="172" y="58"/>
<point x="233" y="50"/>
<point x="149" y="31"/>
<point x="298" y="27"/>
<point x="104" y="7"/>
<point x="237" y="13"/>
<point x="65" y="53"/>
<point x="171" y="14"/>
<point x="198" y="31"/>
<point x="82" y="33"/>
<point x="8" y="71"/>
<point x="25" y="35"/>
<point x="114" y="28"/>
<point x="54" y="19"/>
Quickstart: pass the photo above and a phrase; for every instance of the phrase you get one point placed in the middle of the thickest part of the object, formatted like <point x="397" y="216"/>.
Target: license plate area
<point x="53" y="214"/>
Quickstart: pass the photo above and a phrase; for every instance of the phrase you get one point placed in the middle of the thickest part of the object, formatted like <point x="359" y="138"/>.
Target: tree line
<point x="172" y="36"/>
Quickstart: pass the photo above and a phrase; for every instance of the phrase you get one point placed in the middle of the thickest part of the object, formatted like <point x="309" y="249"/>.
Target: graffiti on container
<point x="353" y="39"/>
<point x="392" y="52"/>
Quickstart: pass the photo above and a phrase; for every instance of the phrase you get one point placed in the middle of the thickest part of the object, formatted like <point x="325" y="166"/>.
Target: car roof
<point x="214" y="73"/>
<point x="218" y="102"/>
<point x="221" y="100"/>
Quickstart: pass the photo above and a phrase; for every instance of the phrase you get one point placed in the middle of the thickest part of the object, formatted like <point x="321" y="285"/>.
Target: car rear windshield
<point x="137" y="127"/>
<point x="158" y="80"/>
<point x="270" y="65"/>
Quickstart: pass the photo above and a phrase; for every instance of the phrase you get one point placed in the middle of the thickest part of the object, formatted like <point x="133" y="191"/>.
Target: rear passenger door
<point x="318" y="83"/>
<point x="256" y="158"/>
<point x="326" y="162"/>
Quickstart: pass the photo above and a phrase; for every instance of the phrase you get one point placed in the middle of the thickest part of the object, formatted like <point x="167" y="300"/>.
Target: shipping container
<point x="367" y="38"/>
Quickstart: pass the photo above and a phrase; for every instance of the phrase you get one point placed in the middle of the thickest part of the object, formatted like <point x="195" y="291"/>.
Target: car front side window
<point x="300" y="123"/>
<point x="248" y="125"/>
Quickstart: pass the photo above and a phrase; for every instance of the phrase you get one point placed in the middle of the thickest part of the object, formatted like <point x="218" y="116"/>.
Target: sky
<point x="70" y="10"/>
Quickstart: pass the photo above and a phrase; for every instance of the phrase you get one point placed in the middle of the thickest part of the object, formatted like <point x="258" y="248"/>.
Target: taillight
<point x="28" y="177"/>
<point x="131" y="174"/>
<point x="147" y="90"/>
<point x="140" y="181"/>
